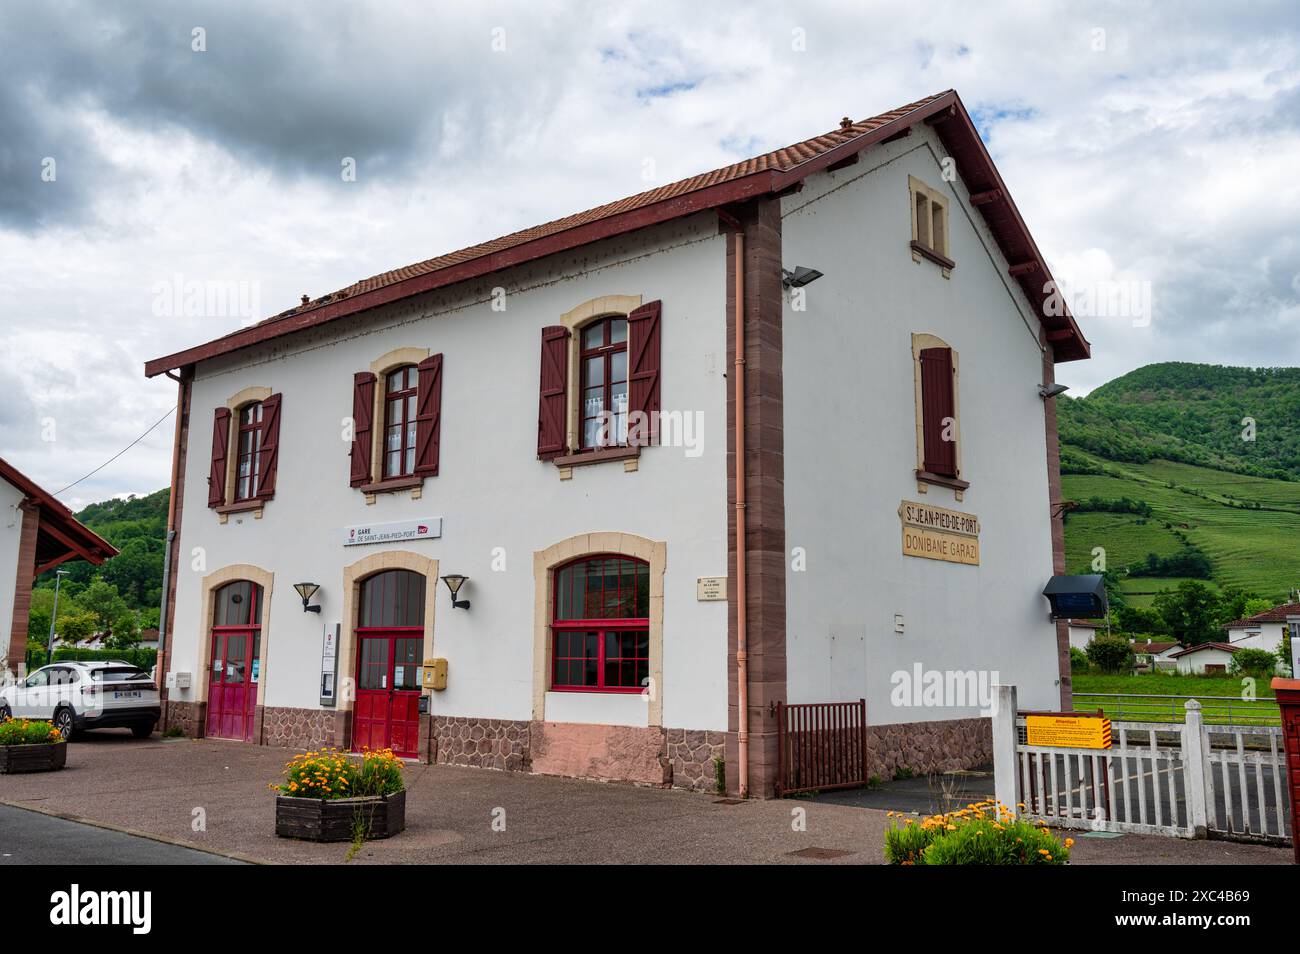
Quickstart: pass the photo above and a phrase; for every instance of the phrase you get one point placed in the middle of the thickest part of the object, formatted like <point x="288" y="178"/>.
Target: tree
<point x="102" y="601"/>
<point x="1189" y="613"/>
<point x="75" y="628"/>
<point x="1284" y="653"/>
<point x="1110" y="654"/>
<point x="126" y="632"/>
<point x="1252" y="662"/>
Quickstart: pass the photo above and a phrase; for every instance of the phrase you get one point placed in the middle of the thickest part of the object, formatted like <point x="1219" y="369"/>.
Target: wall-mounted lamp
<point x="306" y="591"/>
<point x="1046" y="391"/>
<point x="799" y="277"/>
<point x="454" y="582"/>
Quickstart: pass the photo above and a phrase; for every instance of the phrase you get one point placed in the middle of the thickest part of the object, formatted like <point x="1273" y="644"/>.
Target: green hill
<point x="1165" y="483"/>
<point x="137" y="526"/>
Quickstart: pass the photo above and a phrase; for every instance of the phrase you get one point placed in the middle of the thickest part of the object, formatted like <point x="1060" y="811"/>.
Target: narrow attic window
<point x="929" y="225"/>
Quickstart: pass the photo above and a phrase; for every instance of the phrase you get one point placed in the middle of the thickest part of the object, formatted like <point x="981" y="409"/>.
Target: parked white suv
<point x="86" y="695"/>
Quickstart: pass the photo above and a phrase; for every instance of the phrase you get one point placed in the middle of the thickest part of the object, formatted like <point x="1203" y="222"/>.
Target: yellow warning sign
<point x="1075" y="732"/>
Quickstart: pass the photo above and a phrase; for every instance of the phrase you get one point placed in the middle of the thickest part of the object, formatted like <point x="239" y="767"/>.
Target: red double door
<point x="387" y="711"/>
<point x="232" y="684"/>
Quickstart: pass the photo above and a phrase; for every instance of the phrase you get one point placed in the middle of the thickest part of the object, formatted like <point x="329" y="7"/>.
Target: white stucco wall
<point x="1197" y="661"/>
<point x="11" y="530"/>
<point x="1266" y="636"/>
<point x="492" y="492"/>
<point x="850" y="448"/>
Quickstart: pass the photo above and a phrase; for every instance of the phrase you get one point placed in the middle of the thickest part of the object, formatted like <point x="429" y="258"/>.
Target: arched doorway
<point x="389" y="652"/>
<point x="235" y="660"/>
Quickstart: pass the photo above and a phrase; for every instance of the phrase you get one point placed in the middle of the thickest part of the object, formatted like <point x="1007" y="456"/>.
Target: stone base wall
<point x="614" y="753"/>
<point x="691" y="754"/>
<point x="291" y="728"/>
<point x="924" y="748"/>
<point x="189" y="717"/>
<point x="482" y="743"/>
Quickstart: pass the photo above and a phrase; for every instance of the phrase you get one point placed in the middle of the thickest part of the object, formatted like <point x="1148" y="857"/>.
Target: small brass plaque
<point x="711" y="588"/>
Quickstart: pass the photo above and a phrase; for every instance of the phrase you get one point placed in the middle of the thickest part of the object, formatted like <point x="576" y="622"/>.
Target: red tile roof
<point x="60" y="532"/>
<point x="1226" y="647"/>
<point x="767" y="174"/>
<point x="1278" y="614"/>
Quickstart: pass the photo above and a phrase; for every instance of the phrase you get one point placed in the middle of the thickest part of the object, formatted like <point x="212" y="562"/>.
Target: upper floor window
<point x="249" y="449"/>
<point x="603" y="359"/>
<point x="938" y="414"/>
<point x="400" y="393"/>
<point x="601" y="625"/>
<point x="929" y="223"/>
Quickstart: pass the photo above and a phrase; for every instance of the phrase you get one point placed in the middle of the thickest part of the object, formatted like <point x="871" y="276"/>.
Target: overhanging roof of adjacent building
<point x="769" y="174"/>
<point x="1226" y="647"/>
<point x="62" y="537"/>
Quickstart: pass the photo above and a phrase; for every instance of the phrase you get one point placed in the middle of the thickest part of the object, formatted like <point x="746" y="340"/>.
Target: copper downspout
<point x="166" y="631"/>
<point x="742" y="637"/>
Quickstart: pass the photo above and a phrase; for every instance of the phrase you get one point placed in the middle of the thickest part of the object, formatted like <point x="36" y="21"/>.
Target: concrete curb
<point x="178" y="842"/>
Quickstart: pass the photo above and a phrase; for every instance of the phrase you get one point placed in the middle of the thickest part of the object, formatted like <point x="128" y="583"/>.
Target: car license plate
<point x="127" y="694"/>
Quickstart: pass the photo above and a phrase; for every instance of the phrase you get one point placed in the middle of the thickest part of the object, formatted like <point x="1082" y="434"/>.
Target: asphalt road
<point x="31" y="838"/>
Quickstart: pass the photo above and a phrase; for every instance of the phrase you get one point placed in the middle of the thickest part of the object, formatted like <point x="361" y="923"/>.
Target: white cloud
<point x="1167" y="157"/>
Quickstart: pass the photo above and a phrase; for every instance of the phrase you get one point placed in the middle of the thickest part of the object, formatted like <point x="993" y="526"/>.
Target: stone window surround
<point x="923" y="245"/>
<point x="545" y="562"/>
<point x="924" y="479"/>
<point x="213" y="582"/>
<point x="236" y="403"/>
<point x="575" y="319"/>
<point x="380" y="368"/>
<point x="353" y="576"/>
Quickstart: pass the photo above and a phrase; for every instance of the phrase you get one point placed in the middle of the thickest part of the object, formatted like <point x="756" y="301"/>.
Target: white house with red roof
<point x="1265" y="630"/>
<point x="777" y="433"/>
<point x="37" y="534"/>
<point x="1205" y="658"/>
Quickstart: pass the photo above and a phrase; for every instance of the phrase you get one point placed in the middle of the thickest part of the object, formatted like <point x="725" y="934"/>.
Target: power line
<point x="119" y="453"/>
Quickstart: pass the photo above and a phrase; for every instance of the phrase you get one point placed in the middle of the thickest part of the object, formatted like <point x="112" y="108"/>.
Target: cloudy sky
<point x="1148" y="146"/>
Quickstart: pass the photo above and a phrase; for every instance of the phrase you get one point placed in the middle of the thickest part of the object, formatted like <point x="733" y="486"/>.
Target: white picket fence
<point x="1189" y="780"/>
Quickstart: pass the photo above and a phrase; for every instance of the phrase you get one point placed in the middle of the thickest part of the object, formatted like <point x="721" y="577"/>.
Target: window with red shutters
<point x="552" y="428"/>
<point x="220" y="448"/>
<point x="363" y="410"/>
<point x="428" y="416"/>
<point x="400" y="392"/>
<point x="938" y="412"/>
<point x="602" y="376"/>
<point x="248" y="451"/>
<point x="601" y="625"/>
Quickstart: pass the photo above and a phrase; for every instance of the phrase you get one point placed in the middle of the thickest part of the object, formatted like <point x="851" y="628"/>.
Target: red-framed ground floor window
<point x="600" y="628"/>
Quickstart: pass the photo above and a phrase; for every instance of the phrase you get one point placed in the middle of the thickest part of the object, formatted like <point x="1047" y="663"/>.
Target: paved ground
<point x="165" y="788"/>
<point x="30" y="838"/>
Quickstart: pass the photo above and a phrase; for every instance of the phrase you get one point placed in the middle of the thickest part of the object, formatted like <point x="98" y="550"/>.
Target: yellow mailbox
<point x="435" y="674"/>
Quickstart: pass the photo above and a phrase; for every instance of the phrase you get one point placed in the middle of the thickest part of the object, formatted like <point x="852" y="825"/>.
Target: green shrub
<point x="144" y="658"/>
<point x="28" y="732"/>
<point x="1110" y="654"/>
<point x="1252" y="662"/>
<point x="983" y="833"/>
<point x="1079" y="660"/>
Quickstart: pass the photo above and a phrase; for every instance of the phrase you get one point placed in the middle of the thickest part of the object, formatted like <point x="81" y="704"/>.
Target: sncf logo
<point x="77" y="907"/>
<point x="421" y="529"/>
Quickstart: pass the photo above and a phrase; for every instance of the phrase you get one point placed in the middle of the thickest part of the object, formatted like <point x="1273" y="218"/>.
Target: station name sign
<point x="934" y="533"/>
<point x="429" y="528"/>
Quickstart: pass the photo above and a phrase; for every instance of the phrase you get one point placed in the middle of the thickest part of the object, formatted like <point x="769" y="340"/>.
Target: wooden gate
<point x="821" y="746"/>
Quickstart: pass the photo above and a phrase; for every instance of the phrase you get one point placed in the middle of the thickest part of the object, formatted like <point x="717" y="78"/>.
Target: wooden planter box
<point x="318" y="819"/>
<point x="42" y="757"/>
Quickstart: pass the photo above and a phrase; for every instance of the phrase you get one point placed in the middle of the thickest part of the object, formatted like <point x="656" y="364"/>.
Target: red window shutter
<point x="643" y="374"/>
<point x="220" y="448"/>
<point x="552" y="430"/>
<point x="269" y="455"/>
<point x="937" y="403"/>
<point x="428" y="415"/>
<point x="363" y="411"/>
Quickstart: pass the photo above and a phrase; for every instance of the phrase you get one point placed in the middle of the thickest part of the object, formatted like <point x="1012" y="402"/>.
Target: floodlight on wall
<point x="1046" y="391"/>
<point x="799" y="277"/>
<point x="307" y="591"/>
<point x="454" y="582"/>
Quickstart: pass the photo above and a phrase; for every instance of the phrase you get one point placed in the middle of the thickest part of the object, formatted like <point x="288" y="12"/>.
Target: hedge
<point x="144" y="658"/>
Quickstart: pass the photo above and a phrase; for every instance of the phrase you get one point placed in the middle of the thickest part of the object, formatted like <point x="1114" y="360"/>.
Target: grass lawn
<point x="1234" y="709"/>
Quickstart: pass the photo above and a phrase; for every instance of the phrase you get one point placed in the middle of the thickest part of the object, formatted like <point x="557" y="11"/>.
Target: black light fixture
<point x="799" y="277"/>
<point x="1046" y="391"/>
<point x="454" y="582"/>
<point x="306" y="591"/>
